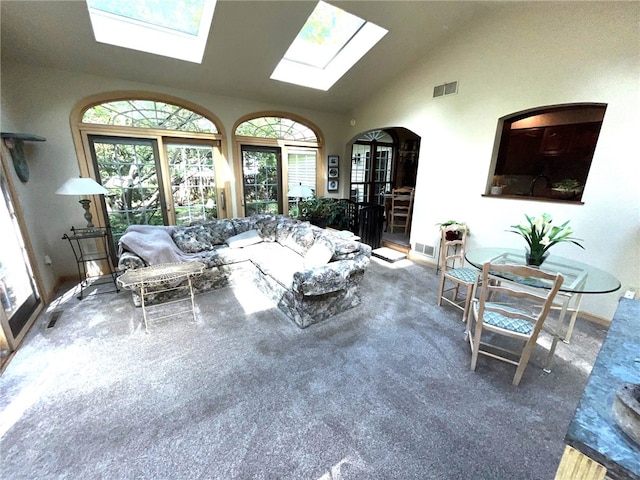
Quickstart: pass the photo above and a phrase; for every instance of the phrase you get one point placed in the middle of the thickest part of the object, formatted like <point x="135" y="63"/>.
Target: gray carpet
<point x="383" y="391"/>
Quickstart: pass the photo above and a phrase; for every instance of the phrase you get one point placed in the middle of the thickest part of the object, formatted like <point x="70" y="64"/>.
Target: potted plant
<point x="540" y="235"/>
<point x="453" y="234"/>
<point x="497" y="184"/>
<point x="325" y="212"/>
<point x="567" y="188"/>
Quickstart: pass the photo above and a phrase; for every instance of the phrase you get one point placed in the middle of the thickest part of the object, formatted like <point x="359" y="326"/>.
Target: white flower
<point x="545" y="240"/>
<point x="539" y="224"/>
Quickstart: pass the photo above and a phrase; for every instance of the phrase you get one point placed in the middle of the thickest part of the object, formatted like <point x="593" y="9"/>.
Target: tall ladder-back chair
<point x="508" y="313"/>
<point x="401" y="208"/>
<point x="456" y="280"/>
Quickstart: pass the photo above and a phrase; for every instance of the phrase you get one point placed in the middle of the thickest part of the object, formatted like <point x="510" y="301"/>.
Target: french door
<point x="156" y="181"/>
<point x="262" y="179"/>
<point x="193" y="181"/>
<point x="18" y="292"/>
<point x="370" y="172"/>
<point x="130" y="170"/>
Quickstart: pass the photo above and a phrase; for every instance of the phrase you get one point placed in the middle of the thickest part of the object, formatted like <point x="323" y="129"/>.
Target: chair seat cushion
<point x="467" y="275"/>
<point x="507" y="323"/>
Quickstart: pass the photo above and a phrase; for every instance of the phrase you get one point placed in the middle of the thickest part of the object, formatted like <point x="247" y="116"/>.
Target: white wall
<point x="40" y="100"/>
<point x="528" y="55"/>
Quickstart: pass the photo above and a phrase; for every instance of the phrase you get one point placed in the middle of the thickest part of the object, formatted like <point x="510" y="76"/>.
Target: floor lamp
<point x="83" y="186"/>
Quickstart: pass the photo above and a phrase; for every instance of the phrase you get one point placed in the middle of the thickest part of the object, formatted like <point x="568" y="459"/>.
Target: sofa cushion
<point x="283" y="231"/>
<point x="193" y="239"/>
<point x="243" y="224"/>
<point x="277" y="261"/>
<point x="220" y="230"/>
<point x="244" y="239"/>
<point x="267" y="225"/>
<point x="319" y="254"/>
<point x="345" y="249"/>
<point x="302" y="237"/>
<point x="222" y="255"/>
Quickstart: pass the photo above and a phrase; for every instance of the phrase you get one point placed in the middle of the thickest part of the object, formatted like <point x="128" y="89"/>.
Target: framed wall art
<point x="334" y="161"/>
<point x="332" y="186"/>
<point x="333" y="172"/>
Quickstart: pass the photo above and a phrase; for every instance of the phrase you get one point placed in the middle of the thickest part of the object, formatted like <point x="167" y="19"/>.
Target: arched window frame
<point x="81" y="132"/>
<point x="284" y="145"/>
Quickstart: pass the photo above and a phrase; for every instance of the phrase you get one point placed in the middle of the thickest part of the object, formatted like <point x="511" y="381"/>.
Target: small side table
<point x="169" y="273"/>
<point x="91" y="245"/>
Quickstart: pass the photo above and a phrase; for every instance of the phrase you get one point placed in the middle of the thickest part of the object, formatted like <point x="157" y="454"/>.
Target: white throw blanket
<point x="154" y="245"/>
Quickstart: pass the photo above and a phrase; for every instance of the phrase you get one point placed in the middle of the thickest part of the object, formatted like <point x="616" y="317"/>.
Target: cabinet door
<point x="521" y="152"/>
<point x="585" y="138"/>
<point x="557" y="140"/>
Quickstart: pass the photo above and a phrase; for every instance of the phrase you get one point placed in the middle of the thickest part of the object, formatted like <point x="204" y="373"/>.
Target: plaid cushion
<point x="467" y="275"/>
<point x="513" y="324"/>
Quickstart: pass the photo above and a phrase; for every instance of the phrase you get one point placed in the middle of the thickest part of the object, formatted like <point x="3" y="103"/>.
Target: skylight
<point x="330" y="42"/>
<point x="172" y="29"/>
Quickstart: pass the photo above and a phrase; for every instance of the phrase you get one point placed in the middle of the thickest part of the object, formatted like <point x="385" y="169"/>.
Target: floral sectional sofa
<point x="310" y="273"/>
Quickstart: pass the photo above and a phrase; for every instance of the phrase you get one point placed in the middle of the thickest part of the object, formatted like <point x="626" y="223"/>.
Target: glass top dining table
<point x="579" y="277"/>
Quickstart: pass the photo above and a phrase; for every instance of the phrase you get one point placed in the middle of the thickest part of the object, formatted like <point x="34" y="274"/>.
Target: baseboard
<point x="421" y="259"/>
<point x="605" y="322"/>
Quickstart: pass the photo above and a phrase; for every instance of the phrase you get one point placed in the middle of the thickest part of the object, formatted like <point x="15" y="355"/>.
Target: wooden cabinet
<point x="585" y="138"/>
<point x="558" y="152"/>
<point x="522" y="151"/>
<point x="557" y="140"/>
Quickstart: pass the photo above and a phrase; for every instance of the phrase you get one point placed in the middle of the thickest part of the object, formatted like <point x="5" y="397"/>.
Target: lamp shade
<point x="300" y="191"/>
<point x="81" y="186"/>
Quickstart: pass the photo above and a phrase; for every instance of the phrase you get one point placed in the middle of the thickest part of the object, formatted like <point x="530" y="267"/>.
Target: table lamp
<point x="83" y="186"/>
<point x="300" y="191"/>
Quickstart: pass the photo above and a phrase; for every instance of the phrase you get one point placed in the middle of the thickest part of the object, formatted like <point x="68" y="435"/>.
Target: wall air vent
<point x="427" y="250"/>
<point x="445" y="89"/>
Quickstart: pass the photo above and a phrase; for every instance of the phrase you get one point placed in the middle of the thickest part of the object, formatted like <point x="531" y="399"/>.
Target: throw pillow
<point x="244" y="239"/>
<point x="317" y="256"/>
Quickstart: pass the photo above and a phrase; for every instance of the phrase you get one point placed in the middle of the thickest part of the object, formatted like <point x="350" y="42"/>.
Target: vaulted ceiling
<point x="247" y="40"/>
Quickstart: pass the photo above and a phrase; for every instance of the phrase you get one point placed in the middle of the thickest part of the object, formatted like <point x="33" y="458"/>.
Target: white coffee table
<point x="172" y="273"/>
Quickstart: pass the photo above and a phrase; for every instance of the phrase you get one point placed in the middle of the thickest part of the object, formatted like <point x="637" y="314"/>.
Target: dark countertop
<point x="593" y="430"/>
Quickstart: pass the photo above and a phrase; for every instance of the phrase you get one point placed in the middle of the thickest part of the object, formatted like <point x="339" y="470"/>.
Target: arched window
<point x="159" y="158"/>
<point x="277" y="153"/>
<point x="148" y="114"/>
<point x="276" y="127"/>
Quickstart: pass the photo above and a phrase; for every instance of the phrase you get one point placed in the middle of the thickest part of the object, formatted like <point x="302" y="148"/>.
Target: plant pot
<point x="452" y="235"/>
<point x="496" y="190"/>
<point x="321" y="222"/>
<point x="535" y="260"/>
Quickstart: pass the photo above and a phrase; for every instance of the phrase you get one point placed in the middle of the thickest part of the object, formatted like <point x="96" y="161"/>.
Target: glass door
<point x="262" y="180"/>
<point x="130" y="170"/>
<point x="193" y="182"/>
<point x="370" y="179"/>
<point x="18" y="293"/>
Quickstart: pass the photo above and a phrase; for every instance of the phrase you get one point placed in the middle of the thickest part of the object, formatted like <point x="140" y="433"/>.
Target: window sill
<point x="535" y="199"/>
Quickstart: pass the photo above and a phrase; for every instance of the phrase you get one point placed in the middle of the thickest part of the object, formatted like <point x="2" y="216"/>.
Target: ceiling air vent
<point x="445" y="89"/>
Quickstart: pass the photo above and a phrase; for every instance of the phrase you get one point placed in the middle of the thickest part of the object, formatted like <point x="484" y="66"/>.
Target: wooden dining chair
<point x="511" y="310"/>
<point x="401" y="208"/>
<point x="456" y="280"/>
